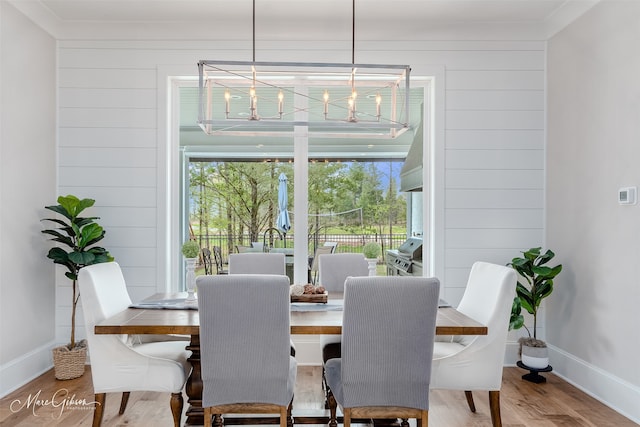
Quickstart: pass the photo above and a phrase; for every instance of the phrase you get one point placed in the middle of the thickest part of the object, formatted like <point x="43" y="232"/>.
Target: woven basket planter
<point x="69" y="364"/>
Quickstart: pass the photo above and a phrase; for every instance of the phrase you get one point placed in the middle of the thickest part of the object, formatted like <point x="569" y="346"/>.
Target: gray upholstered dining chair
<point x="244" y="345"/>
<point x="117" y="364"/>
<point x="388" y="331"/>
<point x="476" y="362"/>
<point x="333" y="270"/>
<point x="257" y="263"/>
<point x="260" y="263"/>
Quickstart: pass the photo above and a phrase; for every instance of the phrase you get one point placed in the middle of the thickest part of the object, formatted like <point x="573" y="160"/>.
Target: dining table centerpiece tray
<point x="308" y="293"/>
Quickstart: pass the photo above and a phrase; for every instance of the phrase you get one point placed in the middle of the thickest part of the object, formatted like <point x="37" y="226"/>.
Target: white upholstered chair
<point x="388" y="331"/>
<point x="244" y="345"/>
<point x="257" y="263"/>
<point x="332" y="245"/>
<point x="476" y="362"/>
<point x="116" y="364"/>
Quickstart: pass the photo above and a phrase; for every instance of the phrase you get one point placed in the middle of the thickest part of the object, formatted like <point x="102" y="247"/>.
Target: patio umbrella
<point x="283" y="223"/>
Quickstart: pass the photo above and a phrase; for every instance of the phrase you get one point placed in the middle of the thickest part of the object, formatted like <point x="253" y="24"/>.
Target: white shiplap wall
<point x="490" y="203"/>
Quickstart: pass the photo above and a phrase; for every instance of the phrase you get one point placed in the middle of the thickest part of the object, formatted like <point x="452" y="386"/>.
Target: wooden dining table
<point x="303" y="322"/>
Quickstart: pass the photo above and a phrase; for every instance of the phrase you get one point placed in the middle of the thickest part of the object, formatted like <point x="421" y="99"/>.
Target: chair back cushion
<point x="104" y="294"/>
<point x="335" y="268"/>
<point x="116" y="366"/>
<point x="245" y="339"/>
<point x="387" y="340"/>
<point x="257" y="263"/>
<point x="476" y="362"/>
<point x="488" y="298"/>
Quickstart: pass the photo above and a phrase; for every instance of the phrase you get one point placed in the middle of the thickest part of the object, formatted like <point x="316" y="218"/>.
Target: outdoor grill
<point x="406" y="260"/>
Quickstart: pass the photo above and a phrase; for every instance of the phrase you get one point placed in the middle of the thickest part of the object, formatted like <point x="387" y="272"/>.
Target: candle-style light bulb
<point x="326" y="103"/>
<point x="325" y="97"/>
<point x="227" y="101"/>
<point x="252" y="103"/>
<point x="280" y="102"/>
<point x="378" y="102"/>
<point x="352" y="109"/>
<point x="352" y="105"/>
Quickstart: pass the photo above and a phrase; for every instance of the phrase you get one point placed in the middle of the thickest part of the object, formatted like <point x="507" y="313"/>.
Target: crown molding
<point x="282" y="28"/>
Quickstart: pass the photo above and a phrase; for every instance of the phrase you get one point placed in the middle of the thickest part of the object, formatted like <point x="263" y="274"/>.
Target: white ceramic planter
<point x="535" y="357"/>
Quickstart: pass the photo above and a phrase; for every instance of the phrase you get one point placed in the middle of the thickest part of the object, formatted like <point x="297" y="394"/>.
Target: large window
<point x="234" y="204"/>
<point x="229" y="187"/>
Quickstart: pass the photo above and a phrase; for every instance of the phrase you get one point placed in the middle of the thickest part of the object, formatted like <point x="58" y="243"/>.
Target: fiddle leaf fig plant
<point x="79" y="235"/>
<point x="534" y="284"/>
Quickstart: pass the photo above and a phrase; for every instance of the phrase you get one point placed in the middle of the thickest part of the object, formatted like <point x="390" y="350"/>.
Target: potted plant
<point x="191" y="250"/>
<point x="79" y="235"/>
<point x="371" y="252"/>
<point x="537" y="285"/>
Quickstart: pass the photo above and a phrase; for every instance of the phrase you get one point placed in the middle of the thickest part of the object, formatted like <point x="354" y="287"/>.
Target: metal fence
<point x="347" y="243"/>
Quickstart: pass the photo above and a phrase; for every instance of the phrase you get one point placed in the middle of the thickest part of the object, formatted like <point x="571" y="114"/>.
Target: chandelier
<point x="338" y="100"/>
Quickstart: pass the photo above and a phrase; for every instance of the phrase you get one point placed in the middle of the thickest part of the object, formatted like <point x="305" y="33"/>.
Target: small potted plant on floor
<point x="79" y="235"/>
<point x="535" y="283"/>
<point x="371" y="252"/>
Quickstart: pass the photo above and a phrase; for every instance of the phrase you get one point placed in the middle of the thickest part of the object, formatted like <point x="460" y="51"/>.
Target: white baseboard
<point x="612" y="391"/>
<point x="27" y="367"/>
<point x="618" y="394"/>
<point x="511" y="353"/>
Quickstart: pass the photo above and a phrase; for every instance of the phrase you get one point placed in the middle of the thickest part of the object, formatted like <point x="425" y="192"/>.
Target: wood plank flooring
<point x="555" y="403"/>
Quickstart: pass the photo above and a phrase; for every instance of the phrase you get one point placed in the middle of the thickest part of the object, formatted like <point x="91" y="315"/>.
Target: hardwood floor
<point x="555" y="403"/>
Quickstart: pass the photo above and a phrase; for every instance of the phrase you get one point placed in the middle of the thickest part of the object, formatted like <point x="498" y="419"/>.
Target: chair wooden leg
<point x="176" y="408"/>
<point x="289" y="417"/>
<point x="494" y="407"/>
<point x="98" y="409"/>
<point x="123" y="402"/>
<point x="423" y="420"/>
<point x="333" y="405"/>
<point x="325" y="387"/>
<point x="207" y="417"/>
<point x="284" y="419"/>
<point x="469" y="396"/>
<point x="347" y="417"/>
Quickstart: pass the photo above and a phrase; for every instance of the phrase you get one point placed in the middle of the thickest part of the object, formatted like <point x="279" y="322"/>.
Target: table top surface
<point x="316" y="322"/>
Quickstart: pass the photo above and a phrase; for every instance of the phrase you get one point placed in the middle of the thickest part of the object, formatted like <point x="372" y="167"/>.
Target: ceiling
<point x="308" y="19"/>
<point x="276" y="20"/>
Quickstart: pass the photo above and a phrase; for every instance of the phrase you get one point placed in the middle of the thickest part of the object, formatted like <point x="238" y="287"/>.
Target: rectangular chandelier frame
<point x="303" y="94"/>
